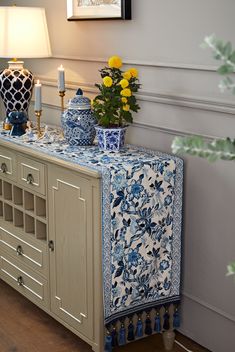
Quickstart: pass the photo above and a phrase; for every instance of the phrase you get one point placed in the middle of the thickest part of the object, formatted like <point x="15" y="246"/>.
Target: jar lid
<point x="79" y="102"/>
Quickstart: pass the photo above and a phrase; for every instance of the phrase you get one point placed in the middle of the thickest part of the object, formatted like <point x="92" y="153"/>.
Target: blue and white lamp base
<point x="16" y="86"/>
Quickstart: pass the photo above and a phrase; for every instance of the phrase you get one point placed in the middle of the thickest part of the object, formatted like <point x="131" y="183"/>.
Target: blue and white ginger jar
<point x="78" y="121"/>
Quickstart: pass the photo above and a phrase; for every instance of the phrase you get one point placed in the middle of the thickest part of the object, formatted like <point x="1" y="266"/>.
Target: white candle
<point x="61" y="81"/>
<point x="38" y="96"/>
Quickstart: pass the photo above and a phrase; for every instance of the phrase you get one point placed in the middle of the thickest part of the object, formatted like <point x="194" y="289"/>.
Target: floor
<point x="26" y="328"/>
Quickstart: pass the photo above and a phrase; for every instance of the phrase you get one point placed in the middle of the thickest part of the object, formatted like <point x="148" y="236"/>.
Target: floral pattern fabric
<point x="141" y="198"/>
<point x="141" y="223"/>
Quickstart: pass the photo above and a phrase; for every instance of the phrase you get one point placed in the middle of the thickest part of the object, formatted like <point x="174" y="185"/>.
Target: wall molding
<point x="143" y="126"/>
<point x="199" y="103"/>
<point x="171" y="131"/>
<point x="209" y="306"/>
<point x="174" y="65"/>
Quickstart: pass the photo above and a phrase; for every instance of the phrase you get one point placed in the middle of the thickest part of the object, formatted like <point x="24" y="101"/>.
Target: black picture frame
<point x="73" y="13"/>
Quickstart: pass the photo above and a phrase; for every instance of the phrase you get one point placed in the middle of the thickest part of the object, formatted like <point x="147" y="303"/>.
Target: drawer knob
<point x="29" y="179"/>
<point x="19" y="250"/>
<point x="3" y="168"/>
<point x="51" y="246"/>
<point x="20" y="281"/>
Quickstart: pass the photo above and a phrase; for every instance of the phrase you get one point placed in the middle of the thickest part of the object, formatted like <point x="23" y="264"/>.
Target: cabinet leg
<point x="168" y="340"/>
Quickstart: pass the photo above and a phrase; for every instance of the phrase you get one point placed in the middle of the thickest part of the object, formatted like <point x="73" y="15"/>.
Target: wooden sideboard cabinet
<point x="50" y="237"/>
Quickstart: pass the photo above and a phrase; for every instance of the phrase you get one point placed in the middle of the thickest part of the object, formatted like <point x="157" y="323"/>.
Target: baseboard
<point x="206" y="326"/>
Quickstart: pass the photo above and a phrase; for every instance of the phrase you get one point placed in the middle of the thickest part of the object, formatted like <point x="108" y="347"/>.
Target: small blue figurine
<point x="17" y="120"/>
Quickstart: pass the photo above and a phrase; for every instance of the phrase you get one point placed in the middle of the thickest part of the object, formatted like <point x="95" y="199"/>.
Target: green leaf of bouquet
<point x="127" y="116"/>
<point x="104" y="121"/>
<point x="99" y="97"/>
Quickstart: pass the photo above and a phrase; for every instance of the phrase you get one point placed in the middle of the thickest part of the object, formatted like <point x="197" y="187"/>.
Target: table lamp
<point x="23" y="34"/>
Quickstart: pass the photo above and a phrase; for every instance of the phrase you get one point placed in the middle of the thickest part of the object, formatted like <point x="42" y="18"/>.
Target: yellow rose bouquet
<point x="114" y="105"/>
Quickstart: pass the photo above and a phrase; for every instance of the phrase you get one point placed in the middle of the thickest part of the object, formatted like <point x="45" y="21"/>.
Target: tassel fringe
<point x="122" y="335"/>
<point x="108" y="342"/>
<point x="141" y="324"/>
<point x="157" y="325"/>
<point x="148" y="325"/>
<point x="176" y="319"/>
<point x="131" y="334"/>
<point x="114" y="337"/>
<point x="139" y="328"/>
<point x="166" y="324"/>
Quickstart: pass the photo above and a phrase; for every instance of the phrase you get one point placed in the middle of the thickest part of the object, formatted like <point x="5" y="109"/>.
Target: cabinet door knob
<point x="29" y="179"/>
<point x="20" y="281"/>
<point x="19" y="250"/>
<point x="3" y="168"/>
<point x="51" y="246"/>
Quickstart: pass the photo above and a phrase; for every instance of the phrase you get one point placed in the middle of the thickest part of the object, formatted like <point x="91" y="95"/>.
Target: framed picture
<point x="98" y="9"/>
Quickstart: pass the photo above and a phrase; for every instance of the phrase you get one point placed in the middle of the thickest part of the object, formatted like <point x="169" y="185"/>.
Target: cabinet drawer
<point x="31" y="174"/>
<point x="28" y="253"/>
<point x="7" y="164"/>
<point x="30" y="284"/>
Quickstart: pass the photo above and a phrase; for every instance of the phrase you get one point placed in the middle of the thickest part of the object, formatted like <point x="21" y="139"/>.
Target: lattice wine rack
<point x="24" y="209"/>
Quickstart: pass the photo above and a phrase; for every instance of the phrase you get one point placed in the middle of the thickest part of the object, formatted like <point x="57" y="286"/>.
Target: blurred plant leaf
<point x="231" y="269"/>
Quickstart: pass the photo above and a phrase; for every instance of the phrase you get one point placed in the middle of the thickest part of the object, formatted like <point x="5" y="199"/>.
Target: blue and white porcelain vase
<point x="16" y="87"/>
<point x="112" y="139"/>
<point x="78" y="121"/>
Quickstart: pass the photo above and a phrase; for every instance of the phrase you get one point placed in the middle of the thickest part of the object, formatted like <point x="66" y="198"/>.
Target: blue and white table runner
<point x="141" y="224"/>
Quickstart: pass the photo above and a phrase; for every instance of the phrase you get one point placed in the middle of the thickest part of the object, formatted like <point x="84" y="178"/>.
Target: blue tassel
<point x="148" y="326"/>
<point x="176" y="319"/>
<point x="157" y="325"/>
<point x="166" y="324"/>
<point x="114" y="337"/>
<point x="122" y="335"/>
<point x="139" y="328"/>
<point x="108" y="343"/>
<point x="130" y="334"/>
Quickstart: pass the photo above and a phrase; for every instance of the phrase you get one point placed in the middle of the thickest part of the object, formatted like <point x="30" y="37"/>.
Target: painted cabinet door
<point x="71" y="257"/>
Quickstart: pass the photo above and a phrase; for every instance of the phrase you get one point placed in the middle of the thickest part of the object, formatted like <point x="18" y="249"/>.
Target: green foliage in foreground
<point x="219" y="148"/>
<point x="231" y="269"/>
<point x="224" y="52"/>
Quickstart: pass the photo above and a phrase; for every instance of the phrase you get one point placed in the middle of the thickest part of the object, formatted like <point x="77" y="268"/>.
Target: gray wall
<point x="179" y="95"/>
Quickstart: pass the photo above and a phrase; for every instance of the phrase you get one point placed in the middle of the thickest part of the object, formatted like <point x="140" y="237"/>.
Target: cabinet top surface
<point x="89" y="160"/>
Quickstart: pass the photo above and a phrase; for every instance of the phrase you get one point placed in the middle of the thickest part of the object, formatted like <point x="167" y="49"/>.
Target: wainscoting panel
<point x="179" y="95"/>
<point x="190" y="115"/>
<point x="215" y="330"/>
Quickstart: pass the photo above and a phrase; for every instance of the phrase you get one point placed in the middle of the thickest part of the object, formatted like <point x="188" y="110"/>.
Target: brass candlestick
<point x="38" y="115"/>
<point x="62" y="94"/>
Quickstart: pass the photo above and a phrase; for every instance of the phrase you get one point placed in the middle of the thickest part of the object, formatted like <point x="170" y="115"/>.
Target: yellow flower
<point x="133" y="72"/>
<point x="126" y="107"/>
<point x="124" y="83"/>
<point x="107" y="81"/>
<point x="124" y="100"/>
<point x="126" y="92"/>
<point x="115" y="62"/>
<point x="127" y="75"/>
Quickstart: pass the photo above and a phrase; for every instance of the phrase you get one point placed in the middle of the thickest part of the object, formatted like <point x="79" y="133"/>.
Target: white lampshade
<point x="23" y="32"/>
